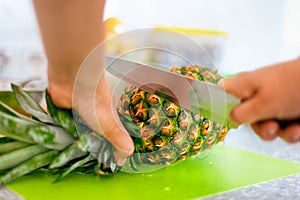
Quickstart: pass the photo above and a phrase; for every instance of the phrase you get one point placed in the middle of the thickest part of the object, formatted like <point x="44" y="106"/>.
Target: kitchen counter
<point x="244" y="138"/>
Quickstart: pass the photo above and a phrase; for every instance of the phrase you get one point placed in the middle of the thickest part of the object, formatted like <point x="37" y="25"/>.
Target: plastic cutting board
<point x="223" y="170"/>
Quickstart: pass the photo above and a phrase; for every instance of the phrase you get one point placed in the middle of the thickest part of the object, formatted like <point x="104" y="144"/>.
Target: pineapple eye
<point x="145" y="144"/>
<point x="176" y="70"/>
<point x="192" y="75"/>
<point x="217" y="126"/>
<point x="184" y="148"/>
<point x="150" y="157"/>
<point x="193" y="133"/>
<point x="171" y="109"/>
<point x="130" y="88"/>
<point x="211" y="138"/>
<point x="159" y="141"/>
<point x="156" y="116"/>
<point x="153" y="121"/>
<point x="141" y="111"/>
<point x="137" y="96"/>
<point x="167" y="154"/>
<point x="153" y="99"/>
<point x="223" y="134"/>
<point x="125" y="102"/>
<point x="198" y="145"/>
<point x="146" y="132"/>
<point x="185" y="119"/>
<point x="182" y="157"/>
<point x="197" y="117"/>
<point x="169" y="128"/>
<point x="208" y="75"/>
<point x="177" y="138"/>
<point x="206" y="127"/>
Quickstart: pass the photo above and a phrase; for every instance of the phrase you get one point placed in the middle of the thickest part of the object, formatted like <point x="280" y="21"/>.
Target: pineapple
<point x="162" y="131"/>
<point x="60" y="142"/>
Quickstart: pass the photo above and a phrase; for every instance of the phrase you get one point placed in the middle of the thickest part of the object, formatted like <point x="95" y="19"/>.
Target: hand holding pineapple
<point x="268" y="93"/>
<point x="67" y="42"/>
<point x="99" y="117"/>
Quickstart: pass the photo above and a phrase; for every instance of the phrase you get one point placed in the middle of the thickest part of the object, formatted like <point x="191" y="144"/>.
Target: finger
<point x="252" y="110"/>
<point x="244" y="112"/>
<point x="121" y="156"/>
<point x="100" y="113"/>
<point x="242" y="85"/>
<point x="267" y="130"/>
<point x="122" y="142"/>
<point x="116" y="134"/>
<point x="290" y="134"/>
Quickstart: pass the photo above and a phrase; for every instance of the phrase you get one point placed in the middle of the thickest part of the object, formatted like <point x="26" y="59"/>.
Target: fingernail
<point x="272" y="131"/>
<point x="121" y="157"/>
<point x="121" y="162"/>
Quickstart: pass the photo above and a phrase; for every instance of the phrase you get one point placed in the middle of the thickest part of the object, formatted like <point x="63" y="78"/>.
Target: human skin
<point x="268" y="94"/>
<point x="70" y="30"/>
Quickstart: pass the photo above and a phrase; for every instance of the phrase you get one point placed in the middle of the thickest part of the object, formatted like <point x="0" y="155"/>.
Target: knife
<point x="197" y="96"/>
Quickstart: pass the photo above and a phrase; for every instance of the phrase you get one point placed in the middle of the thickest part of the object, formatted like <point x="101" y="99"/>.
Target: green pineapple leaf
<point x="52" y="137"/>
<point x="74" y="166"/>
<point x="16" y="128"/>
<point x="28" y="166"/>
<point x="76" y="150"/>
<point x="12" y="145"/>
<point x="16" y="157"/>
<point x="61" y="117"/>
<point x="29" y="105"/>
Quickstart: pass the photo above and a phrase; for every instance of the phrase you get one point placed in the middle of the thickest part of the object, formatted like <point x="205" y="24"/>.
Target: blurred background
<point x="246" y="34"/>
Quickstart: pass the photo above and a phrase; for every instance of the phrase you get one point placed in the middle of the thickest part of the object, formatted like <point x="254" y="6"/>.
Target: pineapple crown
<point x="50" y="140"/>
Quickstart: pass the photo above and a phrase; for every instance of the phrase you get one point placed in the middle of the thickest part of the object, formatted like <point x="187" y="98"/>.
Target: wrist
<point x="61" y="95"/>
<point x="60" y="86"/>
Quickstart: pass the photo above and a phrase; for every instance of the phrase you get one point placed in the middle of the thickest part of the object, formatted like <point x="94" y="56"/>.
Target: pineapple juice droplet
<point x="167" y="188"/>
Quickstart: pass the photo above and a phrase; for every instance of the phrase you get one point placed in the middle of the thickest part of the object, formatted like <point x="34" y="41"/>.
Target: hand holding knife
<point x="212" y="101"/>
<point x="269" y="100"/>
<point x="197" y="96"/>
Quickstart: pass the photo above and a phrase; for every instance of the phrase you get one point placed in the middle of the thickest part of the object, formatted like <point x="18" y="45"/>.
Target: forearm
<point x="70" y="30"/>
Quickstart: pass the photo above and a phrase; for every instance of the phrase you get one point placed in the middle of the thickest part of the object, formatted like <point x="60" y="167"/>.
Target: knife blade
<point x="197" y="96"/>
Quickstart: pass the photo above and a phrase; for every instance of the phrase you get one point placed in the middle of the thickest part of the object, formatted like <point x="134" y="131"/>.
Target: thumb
<point x="243" y="85"/>
<point x="122" y="142"/>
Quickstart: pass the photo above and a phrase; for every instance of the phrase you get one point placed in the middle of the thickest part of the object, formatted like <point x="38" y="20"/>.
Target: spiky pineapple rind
<point x="176" y="132"/>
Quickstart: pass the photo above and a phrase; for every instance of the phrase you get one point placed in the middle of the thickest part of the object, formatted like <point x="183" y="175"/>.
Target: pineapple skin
<point x="163" y="132"/>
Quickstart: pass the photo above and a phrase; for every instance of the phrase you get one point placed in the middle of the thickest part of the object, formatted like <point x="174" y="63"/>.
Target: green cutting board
<point x="224" y="169"/>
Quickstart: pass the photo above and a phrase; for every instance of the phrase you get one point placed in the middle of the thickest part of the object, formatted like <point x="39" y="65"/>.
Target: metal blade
<point x="207" y="99"/>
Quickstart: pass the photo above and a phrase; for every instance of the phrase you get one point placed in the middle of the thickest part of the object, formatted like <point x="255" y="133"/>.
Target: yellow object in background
<point x="155" y="45"/>
<point x="192" y="31"/>
<point x="212" y="41"/>
<point x="113" y="26"/>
